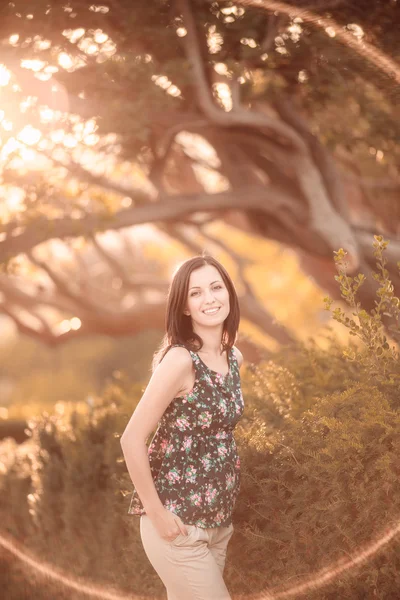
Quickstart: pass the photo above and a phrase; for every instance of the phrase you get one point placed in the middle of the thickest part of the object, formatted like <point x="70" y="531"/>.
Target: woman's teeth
<point x="211" y="311"/>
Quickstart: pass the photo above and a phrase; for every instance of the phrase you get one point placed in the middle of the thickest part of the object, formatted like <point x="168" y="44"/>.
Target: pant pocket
<point x="182" y="540"/>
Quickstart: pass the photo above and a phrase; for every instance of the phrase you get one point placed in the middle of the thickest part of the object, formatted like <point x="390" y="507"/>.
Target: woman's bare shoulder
<point x="239" y="356"/>
<point x="177" y="356"/>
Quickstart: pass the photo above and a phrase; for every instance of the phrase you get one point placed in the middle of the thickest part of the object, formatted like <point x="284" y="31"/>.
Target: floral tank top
<point x="193" y="455"/>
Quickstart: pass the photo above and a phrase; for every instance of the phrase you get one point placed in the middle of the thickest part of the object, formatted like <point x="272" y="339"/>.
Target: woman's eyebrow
<point x="197" y="286"/>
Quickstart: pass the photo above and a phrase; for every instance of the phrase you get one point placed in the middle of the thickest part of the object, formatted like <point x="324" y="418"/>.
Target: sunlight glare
<point x="51" y="69"/>
<point x="90" y="127"/>
<point x="214" y="40"/>
<point x="70" y="141"/>
<point x="60" y="251"/>
<point x="163" y="82"/>
<point x="13" y="39"/>
<point x="295" y="32"/>
<point x="29" y="135"/>
<point x="75" y="323"/>
<point x="74" y="34"/>
<point x="57" y="136"/>
<point x="65" y="60"/>
<point x="9" y="147"/>
<point x="100" y="37"/>
<point x="92" y="49"/>
<point x="46" y="115"/>
<point x="91" y="139"/>
<point x="5" y="75"/>
<point x="27" y="154"/>
<point x="63" y="327"/>
<point x="33" y="64"/>
<point x="84" y="43"/>
<point x="356" y="30"/>
<point x="42" y="76"/>
<point x="198" y="148"/>
<point x="224" y="94"/>
<point x="126" y="202"/>
<point x="42" y="44"/>
<point x="27" y="103"/>
<point x="13" y="199"/>
<point x="221" y="68"/>
<point x="7" y="124"/>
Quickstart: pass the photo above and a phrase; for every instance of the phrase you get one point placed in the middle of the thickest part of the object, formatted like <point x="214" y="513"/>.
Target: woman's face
<point x="208" y="298"/>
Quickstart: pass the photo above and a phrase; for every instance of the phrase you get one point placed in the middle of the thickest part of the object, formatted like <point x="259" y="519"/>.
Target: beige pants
<point x="191" y="567"/>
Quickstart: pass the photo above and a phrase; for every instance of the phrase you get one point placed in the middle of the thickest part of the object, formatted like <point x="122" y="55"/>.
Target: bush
<point x="320" y="460"/>
<point x="318" y="491"/>
<point x="62" y="493"/>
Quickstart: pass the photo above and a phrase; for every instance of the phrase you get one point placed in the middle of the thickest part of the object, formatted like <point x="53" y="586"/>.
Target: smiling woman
<point x="188" y="480"/>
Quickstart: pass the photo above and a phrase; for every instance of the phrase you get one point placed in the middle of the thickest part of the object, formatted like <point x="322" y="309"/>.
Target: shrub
<point x="317" y="491"/>
<point x="63" y="494"/>
<point x="320" y="460"/>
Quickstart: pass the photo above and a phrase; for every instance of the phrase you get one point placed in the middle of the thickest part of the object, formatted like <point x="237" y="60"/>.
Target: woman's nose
<point x="209" y="296"/>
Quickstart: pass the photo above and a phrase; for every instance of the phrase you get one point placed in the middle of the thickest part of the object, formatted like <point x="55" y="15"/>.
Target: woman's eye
<point x="217" y="287"/>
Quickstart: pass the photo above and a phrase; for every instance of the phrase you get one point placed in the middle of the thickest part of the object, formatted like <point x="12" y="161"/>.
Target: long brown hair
<point x="179" y="326"/>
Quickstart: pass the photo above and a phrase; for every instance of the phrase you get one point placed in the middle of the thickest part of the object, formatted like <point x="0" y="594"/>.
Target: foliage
<point x="380" y="356"/>
<point x="62" y="493"/>
<point x="123" y="89"/>
<point x="318" y="492"/>
<point x="287" y="385"/>
<point x="321" y="467"/>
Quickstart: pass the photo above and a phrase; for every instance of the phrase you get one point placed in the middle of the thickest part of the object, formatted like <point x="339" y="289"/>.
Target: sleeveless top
<point x="193" y="455"/>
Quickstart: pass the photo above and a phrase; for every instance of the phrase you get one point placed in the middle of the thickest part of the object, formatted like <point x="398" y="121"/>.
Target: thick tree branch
<point x="324" y="219"/>
<point x="65" y="289"/>
<point x="239" y="116"/>
<point x="273" y="25"/>
<point x="115" y="265"/>
<point x="267" y="200"/>
<point x="43" y="334"/>
<point x="321" y="156"/>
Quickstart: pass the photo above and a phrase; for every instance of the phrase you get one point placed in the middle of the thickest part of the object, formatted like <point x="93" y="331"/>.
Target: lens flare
<point x="48" y="571"/>
<point x="350" y="38"/>
<point x="353" y="38"/>
<point x="315" y="581"/>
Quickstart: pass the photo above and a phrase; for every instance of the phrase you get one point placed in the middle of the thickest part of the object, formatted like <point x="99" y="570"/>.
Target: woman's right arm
<point x="164" y="385"/>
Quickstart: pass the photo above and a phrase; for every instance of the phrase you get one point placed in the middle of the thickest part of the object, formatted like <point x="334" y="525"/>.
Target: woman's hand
<point x="168" y="524"/>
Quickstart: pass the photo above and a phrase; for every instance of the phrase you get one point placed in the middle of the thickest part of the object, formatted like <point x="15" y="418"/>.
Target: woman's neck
<point x="212" y="346"/>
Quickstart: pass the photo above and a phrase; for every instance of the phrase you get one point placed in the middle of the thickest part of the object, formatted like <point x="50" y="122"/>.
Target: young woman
<point x="187" y="481"/>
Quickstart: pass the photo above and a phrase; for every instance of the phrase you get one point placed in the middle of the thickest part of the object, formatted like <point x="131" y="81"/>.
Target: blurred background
<point x="136" y="135"/>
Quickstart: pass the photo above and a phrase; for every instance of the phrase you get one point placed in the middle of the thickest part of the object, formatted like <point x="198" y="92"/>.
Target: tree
<point x="277" y="118"/>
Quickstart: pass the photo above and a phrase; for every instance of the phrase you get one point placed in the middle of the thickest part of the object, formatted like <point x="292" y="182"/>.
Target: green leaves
<point x="370" y="327"/>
